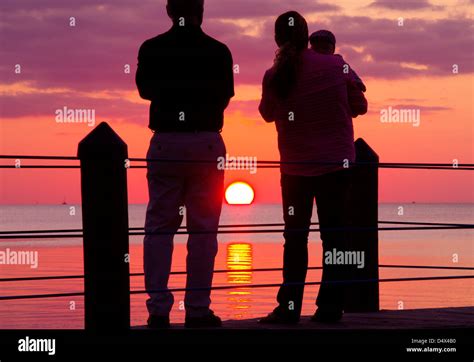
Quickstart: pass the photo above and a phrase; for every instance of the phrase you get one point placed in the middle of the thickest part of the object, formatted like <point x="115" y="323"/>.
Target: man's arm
<point x="227" y="87"/>
<point x="144" y="75"/>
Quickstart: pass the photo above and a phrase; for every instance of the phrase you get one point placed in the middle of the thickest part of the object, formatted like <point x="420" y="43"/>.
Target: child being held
<point x="324" y="42"/>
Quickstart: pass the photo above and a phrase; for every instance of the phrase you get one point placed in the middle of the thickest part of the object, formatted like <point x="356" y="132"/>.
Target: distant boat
<point x="64" y="202"/>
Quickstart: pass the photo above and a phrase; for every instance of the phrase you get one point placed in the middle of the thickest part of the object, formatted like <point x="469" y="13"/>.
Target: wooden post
<point x="364" y="297"/>
<point x="105" y="223"/>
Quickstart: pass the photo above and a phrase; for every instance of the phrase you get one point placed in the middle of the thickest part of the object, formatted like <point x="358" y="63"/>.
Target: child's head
<point x="323" y="41"/>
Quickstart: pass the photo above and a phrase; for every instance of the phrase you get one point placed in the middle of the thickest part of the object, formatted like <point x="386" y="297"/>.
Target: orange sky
<point x="444" y="99"/>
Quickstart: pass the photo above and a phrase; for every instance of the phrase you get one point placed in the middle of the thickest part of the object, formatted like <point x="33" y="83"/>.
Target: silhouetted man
<point x="188" y="78"/>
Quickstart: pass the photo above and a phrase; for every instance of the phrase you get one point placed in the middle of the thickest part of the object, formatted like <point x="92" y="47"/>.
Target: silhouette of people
<point x="188" y="77"/>
<point x="324" y="42"/>
<point x="306" y="94"/>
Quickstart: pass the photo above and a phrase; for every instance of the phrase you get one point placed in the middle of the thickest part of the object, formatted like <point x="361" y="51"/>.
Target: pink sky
<point x="409" y="67"/>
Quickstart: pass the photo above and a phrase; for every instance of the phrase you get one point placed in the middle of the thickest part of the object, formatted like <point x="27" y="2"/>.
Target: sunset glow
<point x="239" y="193"/>
<point x="411" y="66"/>
<point x="291" y="175"/>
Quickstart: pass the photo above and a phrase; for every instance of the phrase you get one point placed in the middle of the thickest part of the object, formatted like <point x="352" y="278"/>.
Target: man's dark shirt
<point x="188" y="77"/>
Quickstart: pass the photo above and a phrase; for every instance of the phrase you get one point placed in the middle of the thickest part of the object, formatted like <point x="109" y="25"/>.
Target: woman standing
<point x="311" y="98"/>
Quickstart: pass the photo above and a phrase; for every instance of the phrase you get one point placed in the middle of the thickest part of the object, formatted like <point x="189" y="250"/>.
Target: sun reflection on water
<point x="239" y="264"/>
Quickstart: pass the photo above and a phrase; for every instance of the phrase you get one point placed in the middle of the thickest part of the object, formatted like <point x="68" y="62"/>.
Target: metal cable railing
<point x="225" y="226"/>
<point x="247" y="231"/>
<point x="260" y="164"/>
<point x="249" y="270"/>
<point x="243" y="286"/>
<point x="237" y="228"/>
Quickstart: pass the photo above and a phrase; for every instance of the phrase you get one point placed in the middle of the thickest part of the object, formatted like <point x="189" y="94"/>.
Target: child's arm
<point x="358" y="81"/>
<point x="353" y="76"/>
<point x="357" y="101"/>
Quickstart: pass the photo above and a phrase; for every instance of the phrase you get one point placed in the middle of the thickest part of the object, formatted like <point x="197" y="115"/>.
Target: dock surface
<point x="432" y="318"/>
<point x="359" y="336"/>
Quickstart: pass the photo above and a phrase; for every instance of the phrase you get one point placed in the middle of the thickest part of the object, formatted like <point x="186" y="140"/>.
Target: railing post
<point x="102" y="154"/>
<point x="364" y="297"/>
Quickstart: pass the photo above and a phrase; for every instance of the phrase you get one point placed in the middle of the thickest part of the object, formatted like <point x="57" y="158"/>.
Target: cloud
<point x="41" y="103"/>
<point x="108" y="33"/>
<point x="90" y="57"/>
<point x="424" y="109"/>
<point x="245" y="9"/>
<point x="403" y="5"/>
<point x="379" y="48"/>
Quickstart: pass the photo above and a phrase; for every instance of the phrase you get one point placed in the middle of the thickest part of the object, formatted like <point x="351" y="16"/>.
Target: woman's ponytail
<point x="291" y="36"/>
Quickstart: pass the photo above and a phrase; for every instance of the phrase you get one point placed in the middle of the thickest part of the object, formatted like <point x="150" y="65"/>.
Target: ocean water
<point x="237" y="254"/>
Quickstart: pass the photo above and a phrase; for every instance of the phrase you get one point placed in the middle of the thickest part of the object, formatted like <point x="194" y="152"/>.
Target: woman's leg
<point x="332" y="200"/>
<point x="297" y="209"/>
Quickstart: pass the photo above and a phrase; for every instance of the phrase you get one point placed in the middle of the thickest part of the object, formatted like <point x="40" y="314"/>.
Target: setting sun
<point x="239" y="193"/>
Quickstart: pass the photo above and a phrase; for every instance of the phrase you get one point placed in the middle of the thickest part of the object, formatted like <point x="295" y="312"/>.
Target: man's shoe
<point x="324" y="315"/>
<point x="275" y="318"/>
<point x="210" y="320"/>
<point x="156" y="322"/>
